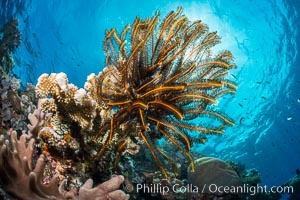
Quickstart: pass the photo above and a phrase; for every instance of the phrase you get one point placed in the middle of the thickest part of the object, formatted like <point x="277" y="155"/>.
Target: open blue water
<point x="262" y="35"/>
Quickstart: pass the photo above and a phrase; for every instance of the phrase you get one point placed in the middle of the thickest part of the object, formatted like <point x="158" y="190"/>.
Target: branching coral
<point x="19" y="178"/>
<point x="71" y="104"/>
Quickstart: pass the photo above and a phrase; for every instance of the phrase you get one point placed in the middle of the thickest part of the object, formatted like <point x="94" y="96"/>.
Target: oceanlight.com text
<point x="213" y="188"/>
<point x="248" y="189"/>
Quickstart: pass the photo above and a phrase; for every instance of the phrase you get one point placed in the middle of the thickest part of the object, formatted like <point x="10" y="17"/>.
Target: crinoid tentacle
<point x="162" y="89"/>
<point x="206" y="84"/>
<point x="196" y="97"/>
<point x="169" y="137"/>
<point x="153" y="154"/>
<point x="100" y="132"/>
<point x="111" y="131"/>
<point x="149" y="83"/>
<point x="118" y="103"/>
<point x="163" y="27"/>
<point x="224" y="92"/>
<point x="230" y="84"/>
<point x="173" y="109"/>
<point x="219" y="74"/>
<point x="170" y="160"/>
<point x="119" y="149"/>
<point x="124" y="32"/>
<point x="164" y="78"/>
<point x="169" y="126"/>
<point x="142" y="117"/>
<point x="199" y="128"/>
<point x="102" y="150"/>
<point x="137" y="104"/>
<point x="225" y="119"/>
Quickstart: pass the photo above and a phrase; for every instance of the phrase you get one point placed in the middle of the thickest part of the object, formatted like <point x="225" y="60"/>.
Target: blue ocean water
<point x="262" y="35"/>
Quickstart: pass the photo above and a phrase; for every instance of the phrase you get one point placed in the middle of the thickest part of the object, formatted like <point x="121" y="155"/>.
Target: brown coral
<point x="213" y="171"/>
<point x="21" y="180"/>
<point x="17" y="175"/>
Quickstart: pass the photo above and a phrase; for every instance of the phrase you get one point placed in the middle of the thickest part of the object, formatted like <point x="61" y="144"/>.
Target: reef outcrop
<point x="23" y="181"/>
<point x="10" y="39"/>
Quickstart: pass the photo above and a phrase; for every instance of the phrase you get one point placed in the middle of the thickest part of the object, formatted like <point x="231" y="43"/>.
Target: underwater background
<point x="263" y="36"/>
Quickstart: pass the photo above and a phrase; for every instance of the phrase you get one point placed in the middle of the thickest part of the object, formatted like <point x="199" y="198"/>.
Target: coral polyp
<point x="160" y="79"/>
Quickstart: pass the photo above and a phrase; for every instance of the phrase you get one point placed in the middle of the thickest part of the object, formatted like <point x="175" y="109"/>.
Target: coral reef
<point x="15" y="105"/>
<point x="9" y="41"/>
<point x="155" y="87"/>
<point x="149" y="99"/>
<point x="67" y="135"/>
<point x="19" y="178"/>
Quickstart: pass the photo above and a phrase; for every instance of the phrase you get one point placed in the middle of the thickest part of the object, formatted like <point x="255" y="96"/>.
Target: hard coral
<point x="210" y="170"/>
<point x="71" y="104"/>
<point x="15" y="105"/>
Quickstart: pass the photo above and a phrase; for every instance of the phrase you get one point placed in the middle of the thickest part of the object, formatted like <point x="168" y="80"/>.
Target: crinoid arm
<point x="162" y="77"/>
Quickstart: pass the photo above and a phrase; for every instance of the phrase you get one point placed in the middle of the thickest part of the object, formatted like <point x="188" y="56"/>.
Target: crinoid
<point x="160" y="80"/>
